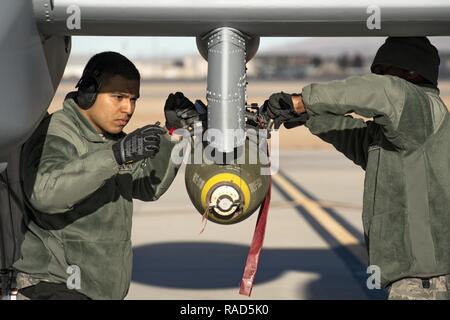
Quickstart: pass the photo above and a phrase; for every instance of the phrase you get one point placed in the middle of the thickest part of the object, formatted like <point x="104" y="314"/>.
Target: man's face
<point x="114" y="105"/>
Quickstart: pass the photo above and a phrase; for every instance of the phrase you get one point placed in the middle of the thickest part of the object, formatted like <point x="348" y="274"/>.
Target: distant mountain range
<point x="335" y="46"/>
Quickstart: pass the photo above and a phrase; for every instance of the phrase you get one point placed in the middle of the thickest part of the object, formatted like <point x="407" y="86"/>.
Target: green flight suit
<point x="405" y="151"/>
<point x="81" y="203"/>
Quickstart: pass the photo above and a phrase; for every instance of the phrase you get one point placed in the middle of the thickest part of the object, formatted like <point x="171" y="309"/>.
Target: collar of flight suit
<point x="87" y="129"/>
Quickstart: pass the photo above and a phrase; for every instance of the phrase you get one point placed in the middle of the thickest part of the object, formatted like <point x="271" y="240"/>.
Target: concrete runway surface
<point x="313" y="247"/>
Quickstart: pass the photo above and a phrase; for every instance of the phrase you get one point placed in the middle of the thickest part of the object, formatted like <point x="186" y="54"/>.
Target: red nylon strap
<point x="251" y="266"/>
<point x="171" y="130"/>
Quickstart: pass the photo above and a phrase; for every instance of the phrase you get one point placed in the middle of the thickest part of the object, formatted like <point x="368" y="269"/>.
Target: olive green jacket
<point x="81" y="203"/>
<point x="405" y="152"/>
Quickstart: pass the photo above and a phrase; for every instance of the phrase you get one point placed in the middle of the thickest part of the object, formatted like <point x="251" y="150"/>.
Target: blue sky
<point x="153" y="46"/>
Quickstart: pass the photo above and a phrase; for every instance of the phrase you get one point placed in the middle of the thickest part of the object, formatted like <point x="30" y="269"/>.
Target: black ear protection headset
<point x="88" y="87"/>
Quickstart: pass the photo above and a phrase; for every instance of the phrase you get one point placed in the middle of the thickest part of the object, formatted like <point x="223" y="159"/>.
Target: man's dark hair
<point x="98" y="71"/>
<point x="107" y="64"/>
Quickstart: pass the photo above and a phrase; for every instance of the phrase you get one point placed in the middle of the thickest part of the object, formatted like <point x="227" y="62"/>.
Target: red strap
<point x="171" y="130"/>
<point x="251" y="266"/>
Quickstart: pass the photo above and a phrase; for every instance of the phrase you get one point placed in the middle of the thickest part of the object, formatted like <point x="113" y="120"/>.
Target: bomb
<point x="229" y="193"/>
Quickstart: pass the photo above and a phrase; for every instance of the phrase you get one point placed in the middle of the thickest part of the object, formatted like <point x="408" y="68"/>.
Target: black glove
<point x="279" y="107"/>
<point x="139" y="144"/>
<point x="299" y="120"/>
<point x="180" y="112"/>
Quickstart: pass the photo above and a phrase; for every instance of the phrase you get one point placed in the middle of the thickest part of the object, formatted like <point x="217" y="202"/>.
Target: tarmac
<point x="313" y="249"/>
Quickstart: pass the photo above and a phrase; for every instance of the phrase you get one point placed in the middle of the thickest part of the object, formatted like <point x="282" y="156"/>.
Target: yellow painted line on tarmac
<point x="336" y="230"/>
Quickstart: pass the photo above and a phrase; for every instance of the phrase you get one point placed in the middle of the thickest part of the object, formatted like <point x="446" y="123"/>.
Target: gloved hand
<point x="180" y="112"/>
<point x="139" y="144"/>
<point x="299" y="120"/>
<point x="279" y="107"/>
